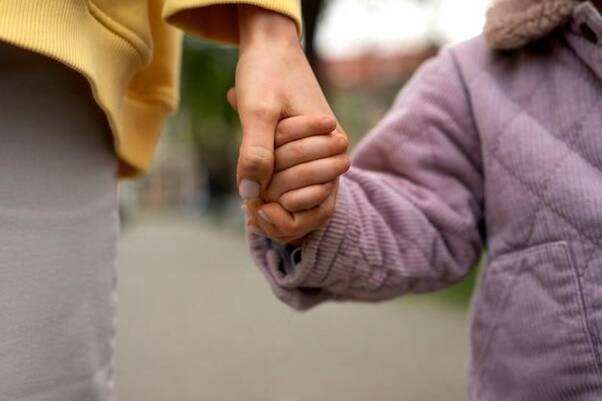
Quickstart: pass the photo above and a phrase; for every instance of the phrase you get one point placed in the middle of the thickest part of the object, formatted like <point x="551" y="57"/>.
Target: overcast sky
<point x="351" y="27"/>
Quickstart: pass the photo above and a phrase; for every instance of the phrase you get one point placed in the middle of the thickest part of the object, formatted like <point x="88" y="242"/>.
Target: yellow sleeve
<point x="159" y="81"/>
<point x="218" y="19"/>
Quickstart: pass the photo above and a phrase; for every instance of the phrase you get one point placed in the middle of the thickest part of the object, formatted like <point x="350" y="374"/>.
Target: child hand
<point x="309" y="157"/>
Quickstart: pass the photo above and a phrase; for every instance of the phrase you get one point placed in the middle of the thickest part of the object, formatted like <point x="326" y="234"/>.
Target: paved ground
<point x="197" y="322"/>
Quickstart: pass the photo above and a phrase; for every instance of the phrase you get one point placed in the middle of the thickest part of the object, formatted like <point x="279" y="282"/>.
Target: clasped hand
<point x="310" y="155"/>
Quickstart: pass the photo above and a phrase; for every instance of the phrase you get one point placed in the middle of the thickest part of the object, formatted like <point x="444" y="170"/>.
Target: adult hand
<point x="273" y="81"/>
<point x="301" y="197"/>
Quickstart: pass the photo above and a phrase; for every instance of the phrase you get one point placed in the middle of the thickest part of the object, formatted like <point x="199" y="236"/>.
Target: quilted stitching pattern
<point x="548" y="150"/>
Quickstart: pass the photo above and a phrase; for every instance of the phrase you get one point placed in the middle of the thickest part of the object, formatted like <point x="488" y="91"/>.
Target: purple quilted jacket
<point x="502" y="149"/>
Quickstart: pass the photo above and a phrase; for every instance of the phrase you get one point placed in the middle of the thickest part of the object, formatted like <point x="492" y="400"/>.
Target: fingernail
<point x="248" y="189"/>
<point x="264" y="216"/>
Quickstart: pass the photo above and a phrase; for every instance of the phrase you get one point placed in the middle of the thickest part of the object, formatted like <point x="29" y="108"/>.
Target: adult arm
<point x="273" y="78"/>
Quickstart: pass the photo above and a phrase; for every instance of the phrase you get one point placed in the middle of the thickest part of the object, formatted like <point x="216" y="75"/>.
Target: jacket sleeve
<point x="408" y="212"/>
<point x="218" y="19"/>
<point x="152" y="94"/>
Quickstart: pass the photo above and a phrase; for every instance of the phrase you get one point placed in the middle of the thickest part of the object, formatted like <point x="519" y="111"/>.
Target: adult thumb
<point x="256" y="156"/>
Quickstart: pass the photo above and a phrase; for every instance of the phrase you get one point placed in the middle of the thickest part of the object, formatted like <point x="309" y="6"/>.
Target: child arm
<point x="408" y="212"/>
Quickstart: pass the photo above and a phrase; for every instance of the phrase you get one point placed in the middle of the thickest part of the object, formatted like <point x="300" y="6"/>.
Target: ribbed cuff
<point x="269" y="261"/>
<point x="218" y="19"/>
<point x="324" y="259"/>
<point x="322" y="249"/>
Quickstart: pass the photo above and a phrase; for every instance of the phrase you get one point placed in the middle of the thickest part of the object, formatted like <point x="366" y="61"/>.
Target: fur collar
<point x="514" y="23"/>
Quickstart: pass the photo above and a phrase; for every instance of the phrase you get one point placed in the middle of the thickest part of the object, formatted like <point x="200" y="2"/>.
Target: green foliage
<point x="206" y="122"/>
<point x="207" y="74"/>
<point x="460" y="293"/>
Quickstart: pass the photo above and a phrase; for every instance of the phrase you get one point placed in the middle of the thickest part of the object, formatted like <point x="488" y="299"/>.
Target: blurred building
<point x="174" y="180"/>
<point x="373" y="70"/>
<point x="375" y="43"/>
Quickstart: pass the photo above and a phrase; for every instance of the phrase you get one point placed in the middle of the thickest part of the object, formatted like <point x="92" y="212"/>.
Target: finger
<point x="308" y="149"/>
<point x="274" y="233"/>
<point x="256" y="157"/>
<point x="293" y="128"/>
<point x="306" y="174"/>
<point x="231" y="97"/>
<point x="298" y="225"/>
<point x="306" y="198"/>
<point x="257" y="223"/>
<point x="265" y="225"/>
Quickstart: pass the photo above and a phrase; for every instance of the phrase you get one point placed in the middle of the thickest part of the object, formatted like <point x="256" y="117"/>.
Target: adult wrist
<point x="259" y="26"/>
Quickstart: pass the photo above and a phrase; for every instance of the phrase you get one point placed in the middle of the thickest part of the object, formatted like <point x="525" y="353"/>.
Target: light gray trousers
<point x="58" y="228"/>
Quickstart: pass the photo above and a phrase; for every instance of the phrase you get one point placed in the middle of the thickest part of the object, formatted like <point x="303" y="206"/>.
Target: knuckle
<point x="345" y="163"/>
<point x="342" y="142"/>
<point x="264" y="109"/>
<point x="318" y="122"/>
<point x="326" y="122"/>
<point x="296" y="150"/>
<point x="292" y="202"/>
<point x="256" y="159"/>
<point x="281" y="136"/>
<point x="288" y="202"/>
<point x="309" y="174"/>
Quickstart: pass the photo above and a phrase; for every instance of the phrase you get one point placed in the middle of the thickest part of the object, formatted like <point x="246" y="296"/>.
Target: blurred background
<point x="196" y="321"/>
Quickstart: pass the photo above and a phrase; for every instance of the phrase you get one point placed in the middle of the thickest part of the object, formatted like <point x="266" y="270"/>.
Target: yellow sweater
<point x="128" y="53"/>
